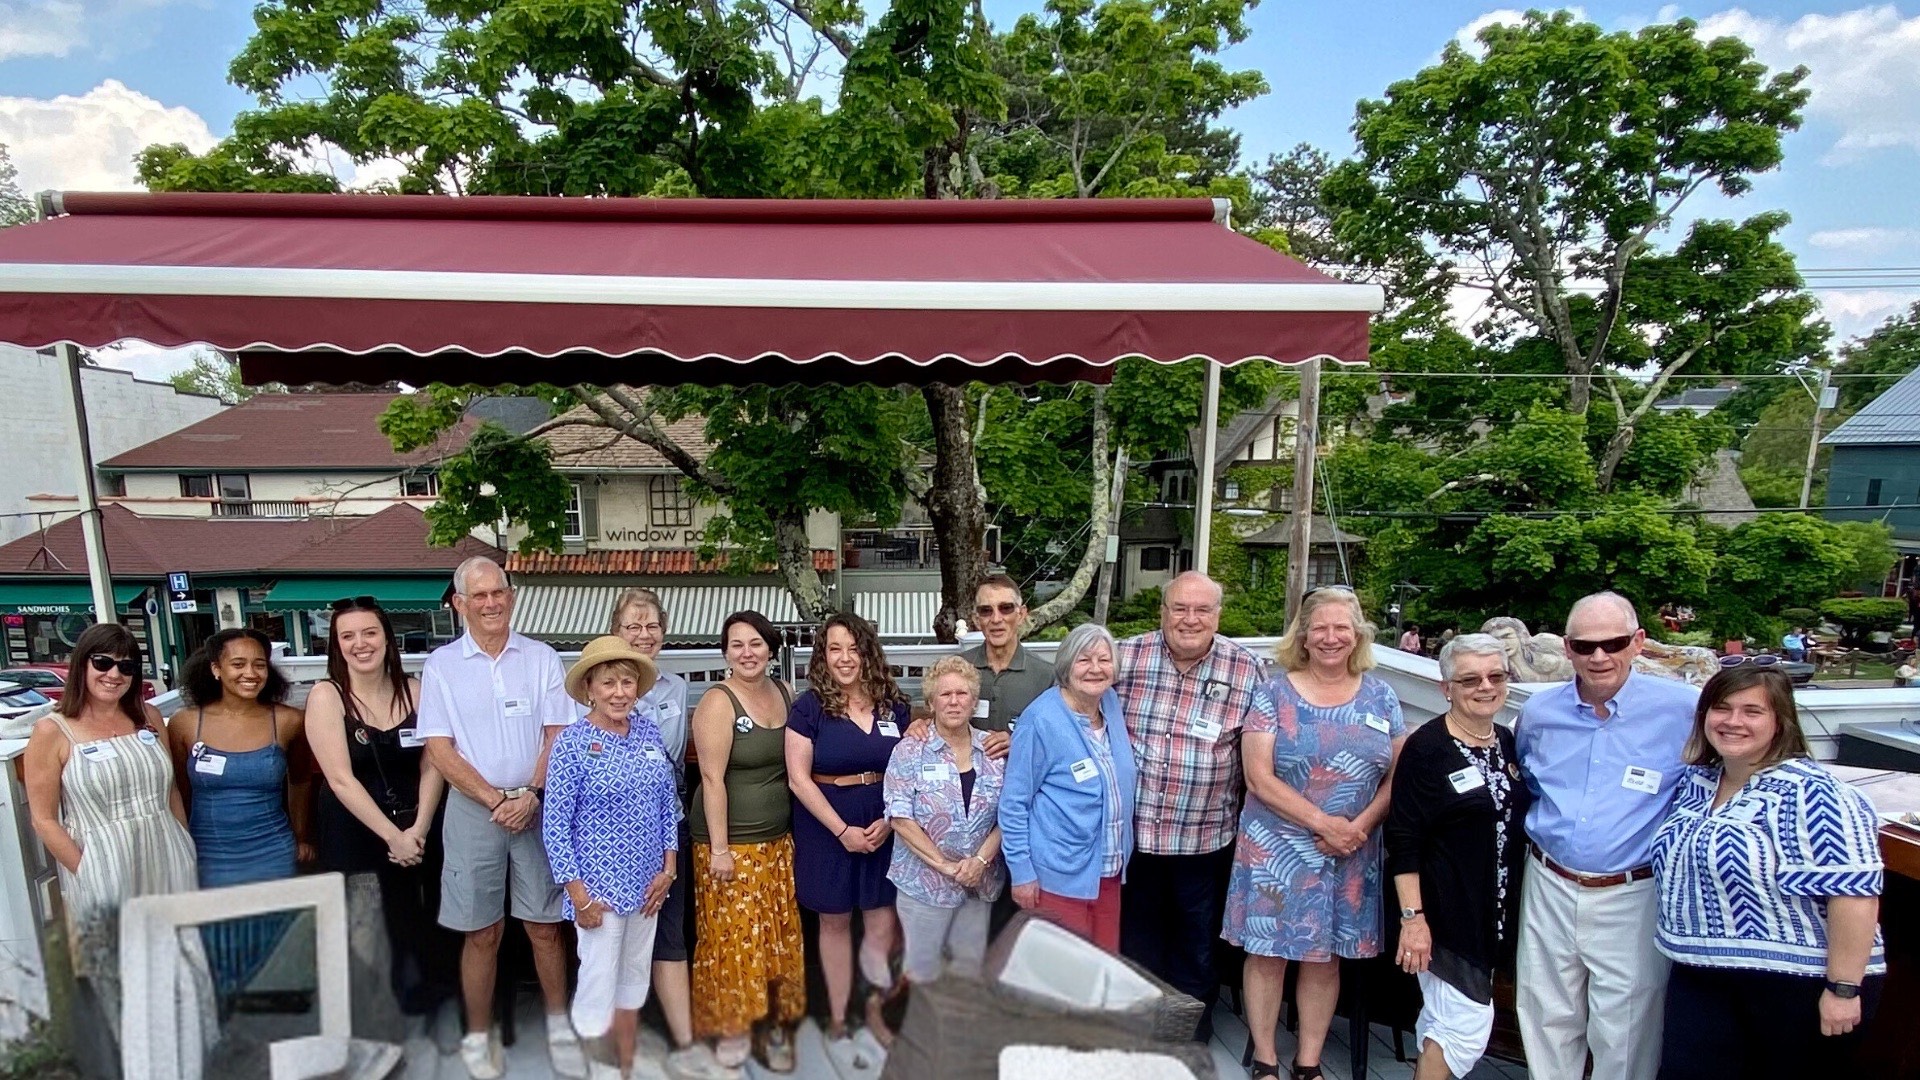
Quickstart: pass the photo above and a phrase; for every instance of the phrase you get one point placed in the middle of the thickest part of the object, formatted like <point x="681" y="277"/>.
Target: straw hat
<point x="601" y="650"/>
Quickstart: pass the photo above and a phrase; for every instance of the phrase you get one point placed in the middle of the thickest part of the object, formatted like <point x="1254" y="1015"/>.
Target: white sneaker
<point x="480" y="1056"/>
<point x="647" y="1068"/>
<point x="696" y="1062"/>
<point x="563" y="1048"/>
<point x="600" y="1070"/>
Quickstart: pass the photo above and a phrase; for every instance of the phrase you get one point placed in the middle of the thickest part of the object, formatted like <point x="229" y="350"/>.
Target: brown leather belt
<point x="1591" y="881"/>
<point x="859" y="779"/>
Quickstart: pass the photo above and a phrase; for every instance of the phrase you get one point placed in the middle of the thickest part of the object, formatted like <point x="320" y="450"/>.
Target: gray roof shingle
<point x="1892" y="419"/>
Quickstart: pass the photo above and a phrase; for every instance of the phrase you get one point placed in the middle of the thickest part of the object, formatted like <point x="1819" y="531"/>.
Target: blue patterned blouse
<point x="923" y="784"/>
<point x="611" y="813"/>
<point x="1746" y="885"/>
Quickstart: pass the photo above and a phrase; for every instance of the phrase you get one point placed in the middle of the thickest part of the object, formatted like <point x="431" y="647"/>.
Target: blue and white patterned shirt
<point x="611" y="813"/>
<point x="1746" y="885"/>
<point x="923" y="784"/>
<point x="1113" y="849"/>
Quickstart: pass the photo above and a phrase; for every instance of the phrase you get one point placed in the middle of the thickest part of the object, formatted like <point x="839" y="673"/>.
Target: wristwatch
<point x="539" y="794"/>
<point x="1843" y="990"/>
<point x="1407" y="913"/>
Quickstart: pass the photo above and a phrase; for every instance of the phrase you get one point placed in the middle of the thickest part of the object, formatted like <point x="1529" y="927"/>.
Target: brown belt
<point x="1591" y="881"/>
<point x="859" y="779"/>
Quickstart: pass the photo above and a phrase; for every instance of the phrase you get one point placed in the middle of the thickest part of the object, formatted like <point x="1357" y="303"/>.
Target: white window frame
<point x="574" y="518"/>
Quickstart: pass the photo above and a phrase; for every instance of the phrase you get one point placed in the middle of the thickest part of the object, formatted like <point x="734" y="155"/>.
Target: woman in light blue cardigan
<point x="1066" y="811"/>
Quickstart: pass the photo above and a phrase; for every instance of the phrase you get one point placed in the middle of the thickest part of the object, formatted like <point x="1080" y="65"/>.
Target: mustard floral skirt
<point x="749" y="962"/>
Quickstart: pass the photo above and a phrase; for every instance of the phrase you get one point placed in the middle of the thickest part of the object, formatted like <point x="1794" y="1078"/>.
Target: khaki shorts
<point x="485" y="864"/>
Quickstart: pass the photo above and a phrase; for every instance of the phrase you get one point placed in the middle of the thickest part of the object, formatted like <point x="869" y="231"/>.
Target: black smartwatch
<point x="1843" y="990"/>
<point x="539" y="794"/>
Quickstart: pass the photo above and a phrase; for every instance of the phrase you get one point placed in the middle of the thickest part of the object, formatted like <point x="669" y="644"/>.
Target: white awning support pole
<point x="1203" y="490"/>
<point x="90" y="529"/>
<point x="1306" y="440"/>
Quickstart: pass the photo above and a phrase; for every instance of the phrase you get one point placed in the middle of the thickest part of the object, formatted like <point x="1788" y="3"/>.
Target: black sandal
<point x="1307" y="1072"/>
<point x="1261" y="1068"/>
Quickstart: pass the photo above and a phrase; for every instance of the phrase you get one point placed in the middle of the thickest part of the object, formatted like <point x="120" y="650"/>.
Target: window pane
<point x="1873" y="493"/>
<point x="572" y="530"/>
<point x="196" y="486"/>
<point x="233" y="486"/>
<point x="420" y="485"/>
<point x="668" y="505"/>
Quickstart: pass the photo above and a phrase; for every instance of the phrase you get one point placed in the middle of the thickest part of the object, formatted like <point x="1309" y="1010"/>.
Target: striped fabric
<point x="1746" y="885"/>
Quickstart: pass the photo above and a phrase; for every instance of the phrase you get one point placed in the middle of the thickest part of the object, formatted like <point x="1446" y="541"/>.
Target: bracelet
<point x="501" y="803"/>
<point x="984" y="863"/>
<point x="843" y="830"/>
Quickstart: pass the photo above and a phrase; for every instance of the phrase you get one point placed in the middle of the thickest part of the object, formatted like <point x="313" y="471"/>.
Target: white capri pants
<point x="1457" y="1024"/>
<point x="933" y="933"/>
<point x="616" y="970"/>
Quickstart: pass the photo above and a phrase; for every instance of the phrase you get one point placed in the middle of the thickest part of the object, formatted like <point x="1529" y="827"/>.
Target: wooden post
<point x="1306" y="438"/>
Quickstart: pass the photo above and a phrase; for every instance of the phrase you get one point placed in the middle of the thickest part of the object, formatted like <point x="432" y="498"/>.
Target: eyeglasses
<point x="1608" y="645"/>
<point x="1761" y="660"/>
<point x="103" y="663"/>
<point x="355" y="603"/>
<point x="1005" y="609"/>
<point x="641" y="628"/>
<point x="1188" y="611"/>
<point x="1475" y="682"/>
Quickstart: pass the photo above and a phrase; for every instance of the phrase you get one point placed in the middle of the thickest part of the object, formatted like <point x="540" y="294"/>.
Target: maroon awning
<point x="333" y="288"/>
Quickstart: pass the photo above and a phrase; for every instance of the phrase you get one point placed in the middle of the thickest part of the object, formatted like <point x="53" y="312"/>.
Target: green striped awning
<point x="58" y="597"/>
<point x="394" y="593"/>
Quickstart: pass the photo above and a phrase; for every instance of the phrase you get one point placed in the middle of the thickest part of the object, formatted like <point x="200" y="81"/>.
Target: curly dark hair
<point x="110" y="639"/>
<point x="875" y="677"/>
<point x="203" y="688"/>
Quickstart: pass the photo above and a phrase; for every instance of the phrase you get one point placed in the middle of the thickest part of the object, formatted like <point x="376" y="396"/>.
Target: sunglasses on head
<point x="1610" y="645"/>
<point x="355" y="603"/>
<point x="1004" y="608"/>
<point x="1763" y="660"/>
<point x="103" y="663"/>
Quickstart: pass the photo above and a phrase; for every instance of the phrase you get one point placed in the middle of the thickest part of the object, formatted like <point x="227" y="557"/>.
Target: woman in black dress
<point x="377" y="809"/>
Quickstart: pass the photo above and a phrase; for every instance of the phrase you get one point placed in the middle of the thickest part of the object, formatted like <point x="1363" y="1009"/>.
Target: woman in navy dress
<point x="840" y="735"/>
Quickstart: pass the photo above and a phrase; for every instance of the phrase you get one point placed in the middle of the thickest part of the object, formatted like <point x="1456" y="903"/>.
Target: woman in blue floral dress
<point x="1318" y="748"/>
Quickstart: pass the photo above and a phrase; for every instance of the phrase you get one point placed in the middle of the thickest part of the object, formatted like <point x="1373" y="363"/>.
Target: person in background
<point x="610" y="821"/>
<point x="378" y="809"/>
<point x="1454" y="849"/>
<point x="1066" y="807"/>
<point x="491" y="704"/>
<point x="943" y="795"/>
<point x="102" y="798"/>
<point x="641" y="621"/>
<point x="1010" y="676"/>
<point x="1187" y="691"/>
<point x="1769" y="877"/>
<point x="1794" y="644"/>
<point x="1321" y="741"/>
<point x="840" y="736"/>
<point x="748" y="958"/>
<point x="1601" y="757"/>
<point x="1410" y="639"/>
<point x="247" y="807"/>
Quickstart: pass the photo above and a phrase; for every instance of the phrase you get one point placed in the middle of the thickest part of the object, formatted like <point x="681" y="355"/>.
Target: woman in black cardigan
<point x="1454" y="842"/>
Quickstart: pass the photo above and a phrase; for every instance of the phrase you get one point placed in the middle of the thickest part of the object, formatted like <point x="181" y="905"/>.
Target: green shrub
<point x="1860" y="617"/>
<point x="1800" y="616"/>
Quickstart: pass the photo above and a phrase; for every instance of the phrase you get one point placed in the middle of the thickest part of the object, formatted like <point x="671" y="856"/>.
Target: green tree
<point x="1888" y="353"/>
<point x="218" y="375"/>
<point x="15" y="206"/>
<point x="1773" y="456"/>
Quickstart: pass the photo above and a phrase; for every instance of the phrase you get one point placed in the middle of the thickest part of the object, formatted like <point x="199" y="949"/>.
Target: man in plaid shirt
<point x="1187" y="693"/>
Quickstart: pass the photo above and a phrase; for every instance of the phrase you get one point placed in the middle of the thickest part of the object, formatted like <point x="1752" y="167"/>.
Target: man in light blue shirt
<point x="1602" y="757"/>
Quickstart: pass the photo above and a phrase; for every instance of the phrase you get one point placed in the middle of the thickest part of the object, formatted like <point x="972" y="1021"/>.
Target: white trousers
<point x="616" y="970"/>
<point x="934" y="934"/>
<point x="1457" y="1024"/>
<point x="1589" y="978"/>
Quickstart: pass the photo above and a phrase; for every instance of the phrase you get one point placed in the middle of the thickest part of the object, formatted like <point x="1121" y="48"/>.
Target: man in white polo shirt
<point x="491" y="704"/>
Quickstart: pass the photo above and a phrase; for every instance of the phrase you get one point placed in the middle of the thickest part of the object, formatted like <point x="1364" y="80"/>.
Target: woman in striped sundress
<point x="100" y="789"/>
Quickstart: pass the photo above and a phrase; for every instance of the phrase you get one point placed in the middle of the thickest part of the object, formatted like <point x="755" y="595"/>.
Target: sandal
<point x="776" y="1050"/>
<point x="1306" y="1072"/>
<point x="877" y="1019"/>
<point x="1261" y="1068"/>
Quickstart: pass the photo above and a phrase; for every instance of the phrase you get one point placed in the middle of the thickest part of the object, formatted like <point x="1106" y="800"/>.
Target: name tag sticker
<point x="1378" y="723"/>
<point x="1204" y="727"/>
<point x="99" y="751"/>
<point x="211" y="764"/>
<point x="889" y="729"/>
<point x="517" y="706"/>
<point x="1084" y="770"/>
<point x="1466" y="780"/>
<point x="653" y="753"/>
<point x="934" y="772"/>
<point x="980" y="709"/>
<point x="411" y="739"/>
<point x="1641" y="779"/>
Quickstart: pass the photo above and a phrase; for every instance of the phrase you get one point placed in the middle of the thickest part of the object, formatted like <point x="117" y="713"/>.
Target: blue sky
<point x="86" y="83"/>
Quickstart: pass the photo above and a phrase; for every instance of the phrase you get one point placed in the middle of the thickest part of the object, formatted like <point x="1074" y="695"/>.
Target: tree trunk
<point x="1061" y="605"/>
<point x="796" y="565"/>
<point x="1617" y="446"/>
<point x="957" y="506"/>
<point x="1580" y="392"/>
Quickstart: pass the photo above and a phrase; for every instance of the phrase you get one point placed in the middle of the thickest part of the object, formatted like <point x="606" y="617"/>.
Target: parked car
<point x="20" y="706"/>
<point x="51" y="679"/>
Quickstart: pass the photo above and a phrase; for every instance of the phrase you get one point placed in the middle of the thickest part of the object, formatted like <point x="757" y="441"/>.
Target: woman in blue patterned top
<point x="1769" y="873"/>
<point x="611" y="826"/>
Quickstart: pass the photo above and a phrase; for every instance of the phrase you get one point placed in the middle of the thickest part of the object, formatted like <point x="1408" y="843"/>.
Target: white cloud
<point x="1865" y="240"/>
<point x="1857" y="312"/>
<point x="146" y="361"/>
<point x="87" y="143"/>
<point x="1469" y="35"/>
<point x="1864" y="69"/>
<point x="42" y="28"/>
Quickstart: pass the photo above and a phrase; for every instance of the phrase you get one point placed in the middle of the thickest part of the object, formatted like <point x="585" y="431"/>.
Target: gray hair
<point x="1078" y="640"/>
<point x="465" y="571"/>
<point x="1470" y="645"/>
<point x="645" y="598"/>
<point x="1607" y="599"/>
<point x="1190" y="576"/>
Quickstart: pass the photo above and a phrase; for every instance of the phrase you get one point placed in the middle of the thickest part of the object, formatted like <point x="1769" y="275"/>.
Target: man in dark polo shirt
<point x="1010" y="677"/>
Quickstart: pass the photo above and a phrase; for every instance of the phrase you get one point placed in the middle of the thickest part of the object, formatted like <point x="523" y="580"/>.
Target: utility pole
<point x="1103" y="596"/>
<point x="1820" y="404"/>
<point x="1306" y="440"/>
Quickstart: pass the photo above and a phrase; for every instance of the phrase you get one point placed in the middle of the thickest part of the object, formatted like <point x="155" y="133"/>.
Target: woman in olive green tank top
<point x="749" y="977"/>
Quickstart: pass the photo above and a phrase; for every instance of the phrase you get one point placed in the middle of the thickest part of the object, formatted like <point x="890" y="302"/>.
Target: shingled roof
<point x="288" y="431"/>
<point x="580" y="446"/>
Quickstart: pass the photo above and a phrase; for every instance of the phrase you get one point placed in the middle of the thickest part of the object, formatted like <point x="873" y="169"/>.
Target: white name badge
<point x="99" y="751"/>
<point x="653" y="753"/>
<point x="411" y="739"/>
<point x="1466" y="780"/>
<point x="1641" y="779"/>
<point x="980" y="709"/>
<point x="890" y="729"/>
<point x="211" y="764"/>
<point x="517" y="706"/>
<point x="1204" y="727"/>
<point x="147" y="736"/>
<point x="1378" y="723"/>
<point x="1084" y="770"/>
<point x="935" y="773"/>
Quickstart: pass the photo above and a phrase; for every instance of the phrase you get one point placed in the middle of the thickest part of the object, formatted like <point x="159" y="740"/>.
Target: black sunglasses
<point x="355" y="603"/>
<point x="1006" y="608"/>
<point x="1610" y="645"/>
<point x="103" y="663"/>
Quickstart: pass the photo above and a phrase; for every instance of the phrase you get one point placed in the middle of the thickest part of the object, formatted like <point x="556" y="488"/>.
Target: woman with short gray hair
<point x="1066" y="810"/>
<point x="1454" y="842"/>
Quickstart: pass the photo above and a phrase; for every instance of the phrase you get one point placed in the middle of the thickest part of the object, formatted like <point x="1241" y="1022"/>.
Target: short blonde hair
<point x="954" y="665"/>
<point x="645" y="598"/>
<point x="1292" y="650"/>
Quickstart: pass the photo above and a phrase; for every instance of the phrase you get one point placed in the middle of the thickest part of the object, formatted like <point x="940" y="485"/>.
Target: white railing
<point x="260" y="508"/>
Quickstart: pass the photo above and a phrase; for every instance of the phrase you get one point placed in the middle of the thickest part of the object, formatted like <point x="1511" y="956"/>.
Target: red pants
<point x="1097" y="920"/>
